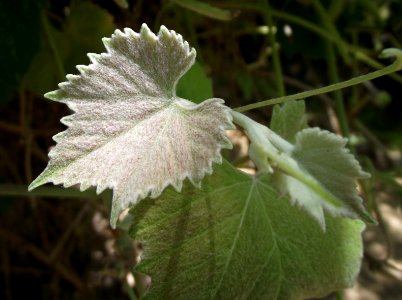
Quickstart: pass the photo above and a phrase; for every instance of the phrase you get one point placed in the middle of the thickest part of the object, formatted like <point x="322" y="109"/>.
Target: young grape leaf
<point x="237" y="239"/>
<point x="129" y="131"/>
<point x="288" y="119"/>
<point x="324" y="156"/>
<point x="317" y="171"/>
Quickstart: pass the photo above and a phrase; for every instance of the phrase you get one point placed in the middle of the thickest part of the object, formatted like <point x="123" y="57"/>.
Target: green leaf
<point x="205" y="9"/>
<point x="324" y="156"/>
<point x="288" y="119"/>
<point x="20" y="35"/>
<point x="195" y="85"/>
<point x="318" y="171"/>
<point x="246" y="83"/>
<point x="237" y="239"/>
<point x="80" y="33"/>
<point x="130" y="132"/>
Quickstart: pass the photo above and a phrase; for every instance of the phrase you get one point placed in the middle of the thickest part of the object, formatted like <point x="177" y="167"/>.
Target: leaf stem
<point x="328" y="23"/>
<point x="387" y="53"/>
<point x="53" y="48"/>
<point x="340" y="43"/>
<point x="336" y="39"/>
<point x="17" y="190"/>
<point x="275" y="53"/>
<point x="338" y="95"/>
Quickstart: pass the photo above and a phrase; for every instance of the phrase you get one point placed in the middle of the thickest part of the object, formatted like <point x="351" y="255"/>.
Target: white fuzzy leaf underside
<point x="129" y="131"/>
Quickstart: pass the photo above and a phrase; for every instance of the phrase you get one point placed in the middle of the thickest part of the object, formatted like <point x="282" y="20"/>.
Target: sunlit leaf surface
<point x="129" y="131"/>
<point x="237" y="239"/>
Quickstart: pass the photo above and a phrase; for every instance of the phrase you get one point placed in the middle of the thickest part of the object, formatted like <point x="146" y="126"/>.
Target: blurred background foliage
<point x="58" y="245"/>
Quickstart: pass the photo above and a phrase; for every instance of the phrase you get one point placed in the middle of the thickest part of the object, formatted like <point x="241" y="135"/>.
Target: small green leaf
<point x="318" y="171"/>
<point x="81" y="33"/>
<point x="324" y="156"/>
<point x="288" y="119"/>
<point x="237" y="239"/>
<point x="195" y="85"/>
<point x="205" y="9"/>
<point x="20" y="36"/>
<point x="129" y="131"/>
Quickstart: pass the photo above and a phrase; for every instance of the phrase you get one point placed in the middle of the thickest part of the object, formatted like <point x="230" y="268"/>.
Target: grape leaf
<point x="195" y="85"/>
<point x="237" y="239"/>
<point x="317" y="171"/>
<point x="130" y="132"/>
<point x="80" y="33"/>
<point x="16" y="53"/>
<point x="323" y="155"/>
<point x="288" y="119"/>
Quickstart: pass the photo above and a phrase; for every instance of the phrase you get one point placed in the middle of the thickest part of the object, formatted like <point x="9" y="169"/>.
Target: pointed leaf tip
<point x="32" y="186"/>
<point x="129" y="132"/>
<point x="54" y="95"/>
<point x="147" y="33"/>
<point x="40" y="180"/>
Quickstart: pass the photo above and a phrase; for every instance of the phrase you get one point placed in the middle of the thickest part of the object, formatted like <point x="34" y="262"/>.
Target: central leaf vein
<point x="235" y="240"/>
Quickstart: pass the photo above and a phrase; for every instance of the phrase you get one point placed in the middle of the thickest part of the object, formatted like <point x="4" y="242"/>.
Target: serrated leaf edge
<point x="176" y="183"/>
<point x="94" y="58"/>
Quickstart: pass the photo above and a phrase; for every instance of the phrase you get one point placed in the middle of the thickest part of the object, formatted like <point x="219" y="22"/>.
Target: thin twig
<point x="6" y="272"/>
<point x="10" y="165"/>
<point x="61" y="269"/>
<point x="12" y="128"/>
<point x="37" y="151"/>
<point x="19" y="190"/>
<point x="387" y="53"/>
<point x="274" y="46"/>
<point x="25" y="270"/>
<point x="380" y="149"/>
<point x="25" y="121"/>
<point x="303" y="86"/>
<point x="68" y="232"/>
